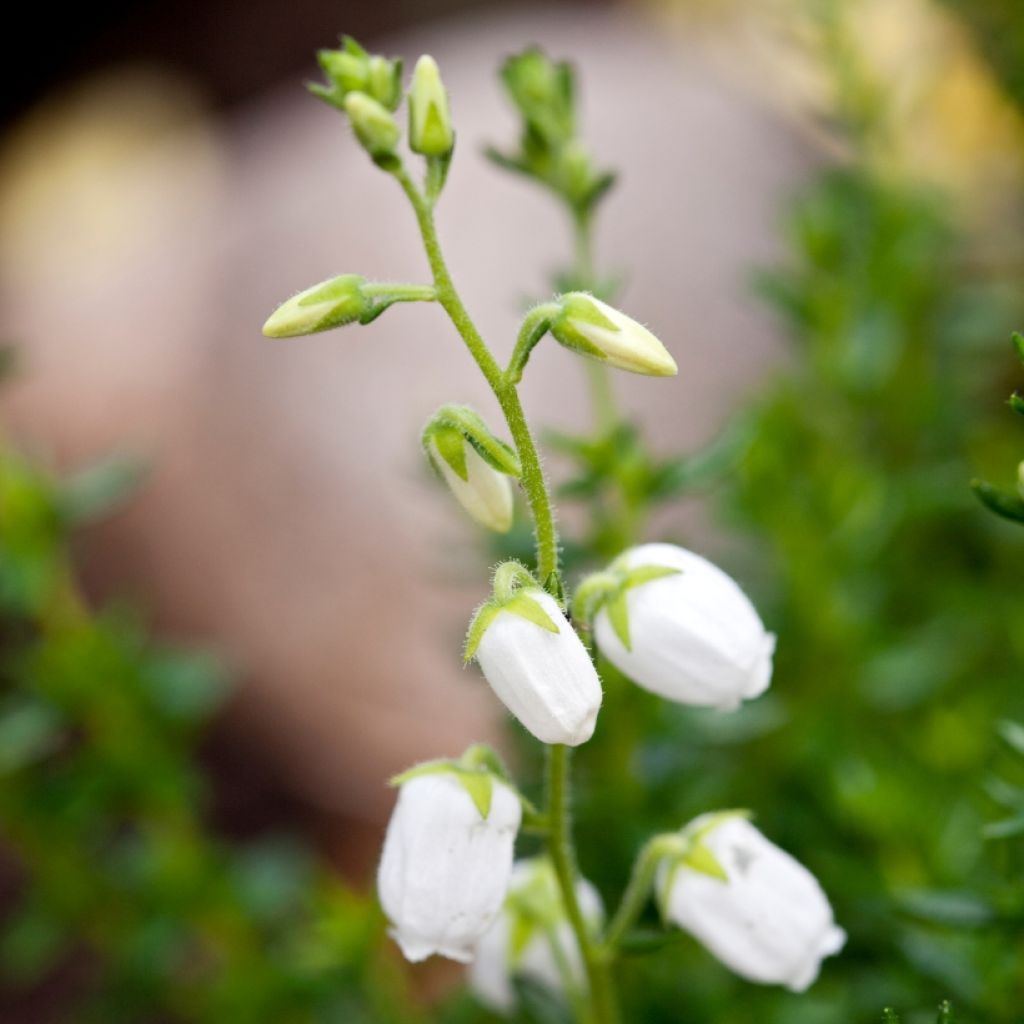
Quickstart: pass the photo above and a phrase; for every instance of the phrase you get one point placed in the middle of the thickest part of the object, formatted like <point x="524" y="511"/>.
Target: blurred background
<point x="207" y="538"/>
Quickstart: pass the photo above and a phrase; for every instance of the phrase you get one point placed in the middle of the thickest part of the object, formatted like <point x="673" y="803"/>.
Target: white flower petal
<point x="695" y="636"/>
<point x="445" y="870"/>
<point x="770" y="923"/>
<point x="545" y="679"/>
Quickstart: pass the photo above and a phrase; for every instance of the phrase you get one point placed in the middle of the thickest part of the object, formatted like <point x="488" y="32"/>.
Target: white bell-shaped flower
<point x="693" y="636"/>
<point x="770" y="922"/>
<point x="445" y="868"/>
<point x="594" y="329"/>
<point x="533" y="938"/>
<point x="538" y="666"/>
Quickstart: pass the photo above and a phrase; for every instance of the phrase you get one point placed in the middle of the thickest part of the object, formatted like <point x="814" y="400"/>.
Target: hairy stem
<point x="533" y="481"/>
<point x="557" y="817"/>
<point x="563" y="858"/>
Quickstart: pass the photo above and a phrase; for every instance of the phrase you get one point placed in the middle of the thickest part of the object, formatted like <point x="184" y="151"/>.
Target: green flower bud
<point x="594" y="329"/>
<point x="352" y="69"/>
<point x="430" y="124"/>
<point x="376" y="129"/>
<point x="332" y="303"/>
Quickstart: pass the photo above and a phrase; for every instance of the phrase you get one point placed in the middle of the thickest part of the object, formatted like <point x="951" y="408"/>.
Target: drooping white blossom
<point x="532" y="937"/>
<point x="694" y="637"/>
<point x="770" y="922"/>
<point x="445" y="868"/>
<point x="541" y="672"/>
<point x="593" y="328"/>
<point x="486" y="493"/>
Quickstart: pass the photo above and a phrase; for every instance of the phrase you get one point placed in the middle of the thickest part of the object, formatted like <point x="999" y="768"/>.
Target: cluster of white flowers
<point x="664" y="617"/>
<point x="681" y="628"/>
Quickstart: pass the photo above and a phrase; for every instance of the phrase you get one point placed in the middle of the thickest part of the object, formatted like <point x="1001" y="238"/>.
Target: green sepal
<point x="693" y="853"/>
<point x="700" y="858"/>
<point x="450" y="445"/>
<point x="473" y="430"/>
<point x="527" y="608"/>
<point x="480" y="787"/>
<point x="607" y="590"/>
<point x="581" y="306"/>
<point x="511" y="592"/>
<point x="476" y="771"/>
<point x="437" y="172"/>
<point x="617" y="610"/>
<point x="484" y="616"/>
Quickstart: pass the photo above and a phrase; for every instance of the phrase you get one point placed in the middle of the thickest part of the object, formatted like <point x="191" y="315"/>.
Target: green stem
<point x="557" y="817"/>
<point x="560" y="849"/>
<point x="602" y="397"/>
<point x="532" y="479"/>
<point x="641" y="882"/>
<point x="402" y="292"/>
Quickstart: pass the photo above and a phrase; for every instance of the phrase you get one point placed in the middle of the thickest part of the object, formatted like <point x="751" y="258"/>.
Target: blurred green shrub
<point x="123" y="888"/>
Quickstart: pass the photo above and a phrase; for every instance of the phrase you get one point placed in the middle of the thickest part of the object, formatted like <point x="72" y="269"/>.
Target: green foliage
<point x="101" y="804"/>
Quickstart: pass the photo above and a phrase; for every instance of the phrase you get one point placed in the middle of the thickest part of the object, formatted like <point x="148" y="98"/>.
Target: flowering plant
<point x="664" y="617"/>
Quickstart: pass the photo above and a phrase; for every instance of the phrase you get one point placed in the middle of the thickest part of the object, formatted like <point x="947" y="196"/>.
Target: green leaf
<point x="617" y="611"/>
<point x="528" y="608"/>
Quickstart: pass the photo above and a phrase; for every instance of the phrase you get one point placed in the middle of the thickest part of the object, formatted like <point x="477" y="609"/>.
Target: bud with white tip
<point x="594" y="329"/>
<point x="375" y="127"/>
<point x="678" y="626"/>
<point x="533" y="938"/>
<point x="447" y="857"/>
<point x="758" y="910"/>
<point x="534" y="661"/>
<point x="476" y="465"/>
<point x="430" y="123"/>
<point x="341" y="300"/>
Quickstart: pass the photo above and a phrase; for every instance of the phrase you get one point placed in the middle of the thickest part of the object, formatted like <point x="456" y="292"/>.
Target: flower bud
<point x="767" y="919"/>
<point x="430" y="124"/>
<point x="445" y="867"/>
<point x="536" y="664"/>
<point x="474" y="463"/>
<point x="484" y="493"/>
<point x="375" y="128"/>
<point x="352" y="69"/>
<point x="532" y="937"/>
<point x="593" y="328"/>
<point x="332" y="303"/>
<point x="687" y="633"/>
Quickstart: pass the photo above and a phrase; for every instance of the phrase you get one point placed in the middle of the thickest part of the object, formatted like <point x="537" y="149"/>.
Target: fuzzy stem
<point x="532" y="479"/>
<point x="557" y="818"/>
